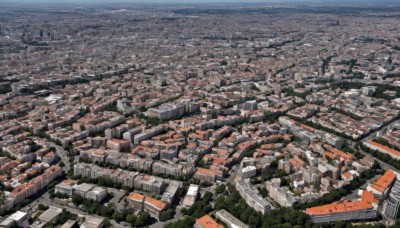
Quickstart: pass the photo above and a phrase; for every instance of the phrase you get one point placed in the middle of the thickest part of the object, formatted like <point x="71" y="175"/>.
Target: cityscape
<point x="205" y="115"/>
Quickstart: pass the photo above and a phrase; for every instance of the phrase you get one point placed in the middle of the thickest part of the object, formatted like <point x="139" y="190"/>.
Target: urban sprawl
<point x="193" y="116"/>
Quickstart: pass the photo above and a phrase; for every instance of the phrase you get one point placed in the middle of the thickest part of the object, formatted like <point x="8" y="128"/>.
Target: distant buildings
<point x="130" y="179"/>
<point x="147" y="134"/>
<point x="162" y="98"/>
<point x="173" y="111"/>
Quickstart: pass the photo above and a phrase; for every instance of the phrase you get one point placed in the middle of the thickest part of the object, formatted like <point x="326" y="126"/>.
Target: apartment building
<point x="382" y="186"/>
<point x="128" y="178"/>
<point x="252" y="198"/>
<point x="153" y="206"/>
<point x="230" y="220"/>
<point x="248" y="172"/>
<point x="136" y="200"/>
<point x="364" y="209"/>
<point x="146" y="203"/>
<point x="148" y="134"/>
<point x="191" y="195"/>
<point x="66" y="187"/>
<point x="393" y="203"/>
<point x="384" y="149"/>
<point x="281" y="195"/>
<point x="207" y="222"/>
<point x="30" y="188"/>
<point x="171" y="192"/>
<point x="160" y="167"/>
<point x="205" y="174"/>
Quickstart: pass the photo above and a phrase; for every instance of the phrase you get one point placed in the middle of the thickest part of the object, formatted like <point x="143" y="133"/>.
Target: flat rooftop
<point x="193" y="189"/>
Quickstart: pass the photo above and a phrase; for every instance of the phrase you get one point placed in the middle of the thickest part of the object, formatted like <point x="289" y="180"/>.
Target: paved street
<point x="354" y="194"/>
<point x="233" y="172"/>
<point x="63" y="154"/>
<point x="382" y="131"/>
<point x="384" y="165"/>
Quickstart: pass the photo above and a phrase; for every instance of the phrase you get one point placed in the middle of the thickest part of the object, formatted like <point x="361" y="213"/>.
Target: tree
<point x="65" y="216"/>
<point x="201" y="164"/>
<point x="287" y="225"/>
<point x="131" y="218"/>
<point x="77" y="199"/>
<point x="42" y="207"/>
<point x="220" y="188"/>
<point x="184" y="211"/>
<point x="254" y="221"/>
<point x="167" y="215"/>
<point x="263" y="191"/>
<point x="205" y="184"/>
<point x="143" y="219"/>
<point x="61" y="164"/>
<point x="340" y="224"/>
<point x="106" y="222"/>
<point x="245" y="215"/>
<point x="183" y="223"/>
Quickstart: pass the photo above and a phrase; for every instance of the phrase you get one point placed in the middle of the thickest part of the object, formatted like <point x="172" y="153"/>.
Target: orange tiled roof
<point x="365" y="203"/>
<point x="50" y="154"/>
<point x="385" y="148"/>
<point x="295" y="163"/>
<point x="308" y="128"/>
<point x="245" y="145"/>
<point x="384" y="181"/>
<point x="220" y="160"/>
<point x="136" y="196"/>
<point x="207" y="222"/>
<point x="347" y="175"/>
<point x="160" y="205"/>
<point x="327" y="154"/>
<point x="205" y="171"/>
<point x="70" y="182"/>
<point x="369" y="197"/>
<point x="345" y="156"/>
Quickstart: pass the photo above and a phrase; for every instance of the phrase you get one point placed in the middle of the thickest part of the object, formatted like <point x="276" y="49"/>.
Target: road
<point x="384" y="165"/>
<point x="63" y="154"/>
<point x="233" y="173"/>
<point x="354" y="195"/>
<point x="46" y="200"/>
<point x="384" y="129"/>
